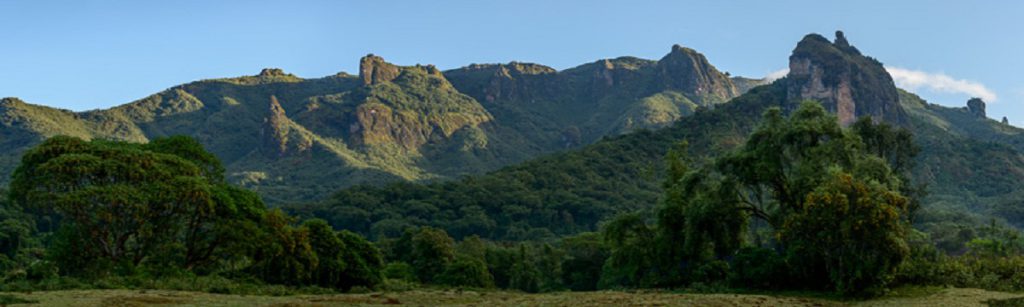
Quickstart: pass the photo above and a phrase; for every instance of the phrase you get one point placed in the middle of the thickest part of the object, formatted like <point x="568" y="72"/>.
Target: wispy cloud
<point x="939" y="82"/>
<point x="775" y="75"/>
<point x="915" y="79"/>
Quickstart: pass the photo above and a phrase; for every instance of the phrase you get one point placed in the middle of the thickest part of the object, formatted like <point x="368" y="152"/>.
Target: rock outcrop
<point x="514" y="81"/>
<point x="977" y="107"/>
<point x="417" y="107"/>
<point x="373" y="70"/>
<point x="844" y="81"/>
<point x="278" y="136"/>
<point x="688" y="71"/>
<point x="1006" y="121"/>
<point x="272" y="72"/>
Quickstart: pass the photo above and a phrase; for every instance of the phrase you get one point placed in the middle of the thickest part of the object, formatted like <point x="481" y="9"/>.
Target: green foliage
<point x="399" y="271"/>
<point x="631" y="261"/>
<point x="111" y="209"/>
<point x="134" y="200"/>
<point x="833" y="207"/>
<point x="759" y="268"/>
<point x="557" y="195"/>
<point x="585" y="257"/>
<point x="466" y="271"/>
<point x="524" y="273"/>
<point x="852" y="230"/>
<point x="432" y="251"/>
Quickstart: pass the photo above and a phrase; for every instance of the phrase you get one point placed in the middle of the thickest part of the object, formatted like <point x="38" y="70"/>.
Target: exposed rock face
<point x="506" y="82"/>
<point x="688" y="71"/>
<point x="278" y="136"/>
<point x="373" y="70"/>
<point x="844" y="81"/>
<point x="1005" y="121"/>
<point x="272" y="72"/>
<point x="977" y="107"/>
<point x="609" y="76"/>
<point x="425" y="108"/>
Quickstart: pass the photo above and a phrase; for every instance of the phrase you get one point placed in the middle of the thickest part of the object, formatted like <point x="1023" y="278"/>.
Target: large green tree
<point x="830" y="197"/>
<point x="123" y="203"/>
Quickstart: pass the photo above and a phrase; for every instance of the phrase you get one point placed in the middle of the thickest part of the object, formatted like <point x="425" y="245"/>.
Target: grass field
<point x="917" y="297"/>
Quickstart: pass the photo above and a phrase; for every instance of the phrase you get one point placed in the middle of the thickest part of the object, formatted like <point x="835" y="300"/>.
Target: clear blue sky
<point x="83" y="55"/>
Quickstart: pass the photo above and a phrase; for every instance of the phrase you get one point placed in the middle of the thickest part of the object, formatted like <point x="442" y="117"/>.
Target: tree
<point x="524" y="274"/>
<point x="804" y="177"/>
<point x="432" y="251"/>
<point x="585" y="255"/>
<point x="128" y="202"/>
<point x="330" y="266"/>
<point x="631" y="263"/>
<point x="853" y="229"/>
<point x="364" y="262"/>
<point x="466" y="271"/>
<point x="287" y="257"/>
<point x="784" y="159"/>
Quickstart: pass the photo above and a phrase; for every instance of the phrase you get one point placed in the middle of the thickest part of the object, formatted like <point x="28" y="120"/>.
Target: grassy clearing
<point x="910" y="297"/>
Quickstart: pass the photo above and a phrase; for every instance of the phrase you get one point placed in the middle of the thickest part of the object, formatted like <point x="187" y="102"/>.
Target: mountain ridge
<point x="292" y="138"/>
<point x="973" y="169"/>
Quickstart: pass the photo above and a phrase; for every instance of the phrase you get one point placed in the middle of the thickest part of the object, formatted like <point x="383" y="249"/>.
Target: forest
<point x="801" y="204"/>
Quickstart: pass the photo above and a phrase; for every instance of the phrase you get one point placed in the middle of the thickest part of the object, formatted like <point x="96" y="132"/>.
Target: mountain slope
<point x="295" y="139"/>
<point x="573" y="191"/>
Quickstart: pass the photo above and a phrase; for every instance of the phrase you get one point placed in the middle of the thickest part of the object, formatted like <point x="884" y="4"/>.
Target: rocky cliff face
<point x="688" y="71"/>
<point x="373" y="70"/>
<point x="505" y="82"/>
<point x="278" y="136"/>
<point x="409" y="106"/>
<point x="844" y="81"/>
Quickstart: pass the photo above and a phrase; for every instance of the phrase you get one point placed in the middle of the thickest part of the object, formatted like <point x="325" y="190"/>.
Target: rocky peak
<point x="373" y="70"/>
<point x="841" y="43"/>
<point x="272" y="72"/>
<point x="977" y="107"/>
<point x="1006" y="121"/>
<point x="687" y="70"/>
<point x="844" y="81"/>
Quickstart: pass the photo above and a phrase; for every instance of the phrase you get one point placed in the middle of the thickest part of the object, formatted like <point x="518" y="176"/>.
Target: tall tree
<point x="128" y="200"/>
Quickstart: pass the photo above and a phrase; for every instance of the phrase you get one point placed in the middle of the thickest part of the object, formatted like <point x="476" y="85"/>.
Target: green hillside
<point x="294" y="139"/>
<point x="971" y="166"/>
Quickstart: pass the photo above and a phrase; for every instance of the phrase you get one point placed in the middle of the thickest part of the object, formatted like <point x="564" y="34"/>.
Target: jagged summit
<point x="847" y="83"/>
<point x="843" y="44"/>
<point x="689" y="71"/>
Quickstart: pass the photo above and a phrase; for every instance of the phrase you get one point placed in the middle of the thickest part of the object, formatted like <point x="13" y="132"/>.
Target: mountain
<point x="972" y="166"/>
<point x="295" y="139"/>
<point x="844" y="81"/>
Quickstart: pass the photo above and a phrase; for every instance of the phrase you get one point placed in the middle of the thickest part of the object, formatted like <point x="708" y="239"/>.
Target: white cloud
<point x="915" y="79"/>
<point x="775" y="75"/>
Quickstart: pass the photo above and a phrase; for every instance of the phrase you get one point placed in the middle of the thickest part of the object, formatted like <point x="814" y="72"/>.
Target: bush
<point x="399" y="271"/>
<point x="758" y="268"/>
<point x="466" y="271"/>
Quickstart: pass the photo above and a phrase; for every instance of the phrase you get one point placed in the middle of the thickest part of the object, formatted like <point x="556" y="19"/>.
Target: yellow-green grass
<point x="917" y="297"/>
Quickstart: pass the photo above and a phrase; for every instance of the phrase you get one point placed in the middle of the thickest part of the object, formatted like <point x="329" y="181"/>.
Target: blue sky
<point x="83" y="55"/>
